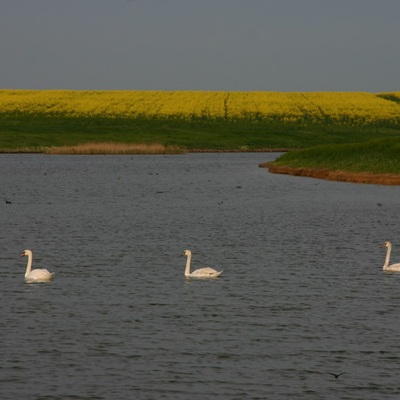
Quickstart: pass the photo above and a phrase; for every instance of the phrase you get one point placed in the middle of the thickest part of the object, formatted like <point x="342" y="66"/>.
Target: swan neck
<point x="188" y="261"/>
<point x="29" y="265"/>
<point x="387" y="261"/>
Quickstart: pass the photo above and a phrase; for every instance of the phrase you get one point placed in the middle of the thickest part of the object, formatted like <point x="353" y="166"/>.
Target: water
<point x="302" y="292"/>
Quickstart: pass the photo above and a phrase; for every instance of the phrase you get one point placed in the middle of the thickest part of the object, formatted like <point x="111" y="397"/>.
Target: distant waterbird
<point x="198" y="273"/>
<point x="336" y="375"/>
<point x="386" y="266"/>
<point x="35" y="275"/>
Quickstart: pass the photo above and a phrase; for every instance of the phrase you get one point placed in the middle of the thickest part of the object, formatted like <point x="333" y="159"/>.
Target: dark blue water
<point x="302" y="293"/>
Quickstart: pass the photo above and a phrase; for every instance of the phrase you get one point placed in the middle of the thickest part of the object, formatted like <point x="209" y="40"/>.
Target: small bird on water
<point x="336" y="375"/>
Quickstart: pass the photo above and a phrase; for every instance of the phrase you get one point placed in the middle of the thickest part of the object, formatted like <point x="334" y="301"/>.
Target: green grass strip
<point x="376" y="156"/>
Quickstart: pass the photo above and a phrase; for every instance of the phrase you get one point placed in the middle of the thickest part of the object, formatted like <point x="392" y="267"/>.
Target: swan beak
<point x="383" y="245"/>
<point x="22" y="254"/>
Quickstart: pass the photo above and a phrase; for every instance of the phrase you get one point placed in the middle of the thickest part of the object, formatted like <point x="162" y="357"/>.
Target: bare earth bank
<point x="340" y="176"/>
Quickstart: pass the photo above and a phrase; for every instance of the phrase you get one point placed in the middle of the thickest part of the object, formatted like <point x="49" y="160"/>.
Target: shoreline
<point x="51" y="151"/>
<point x="338" y="176"/>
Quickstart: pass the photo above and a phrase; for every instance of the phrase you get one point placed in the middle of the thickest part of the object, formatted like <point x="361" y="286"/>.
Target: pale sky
<point x="219" y="45"/>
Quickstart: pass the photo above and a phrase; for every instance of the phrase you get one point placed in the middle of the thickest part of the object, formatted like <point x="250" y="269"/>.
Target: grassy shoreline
<point x="39" y="131"/>
<point x="375" y="161"/>
<point x="376" y="156"/>
<point x="335" y="175"/>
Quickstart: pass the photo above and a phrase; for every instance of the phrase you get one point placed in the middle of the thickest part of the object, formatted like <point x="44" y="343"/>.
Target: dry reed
<point x="115" y="148"/>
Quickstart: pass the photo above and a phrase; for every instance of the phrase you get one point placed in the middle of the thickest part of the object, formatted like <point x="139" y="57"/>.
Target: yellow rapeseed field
<point x="356" y="108"/>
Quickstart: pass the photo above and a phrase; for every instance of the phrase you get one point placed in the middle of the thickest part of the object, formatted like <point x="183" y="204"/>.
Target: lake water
<point x="302" y="292"/>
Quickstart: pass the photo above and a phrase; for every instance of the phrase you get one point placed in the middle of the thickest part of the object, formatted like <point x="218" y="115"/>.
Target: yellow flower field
<point x="355" y="108"/>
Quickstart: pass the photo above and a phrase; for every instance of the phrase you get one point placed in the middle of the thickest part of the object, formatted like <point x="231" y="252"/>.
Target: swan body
<point x="198" y="273"/>
<point x="386" y="266"/>
<point x="35" y="275"/>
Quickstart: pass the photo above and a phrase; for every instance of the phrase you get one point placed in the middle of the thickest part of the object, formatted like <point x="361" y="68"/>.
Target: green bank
<point x="21" y="132"/>
<point x="379" y="156"/>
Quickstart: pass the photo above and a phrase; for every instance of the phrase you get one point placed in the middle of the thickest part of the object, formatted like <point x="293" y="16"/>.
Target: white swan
<point x="35" y="275"/>
<point x="198" y="273"/>
<point x="386" y="266"/>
